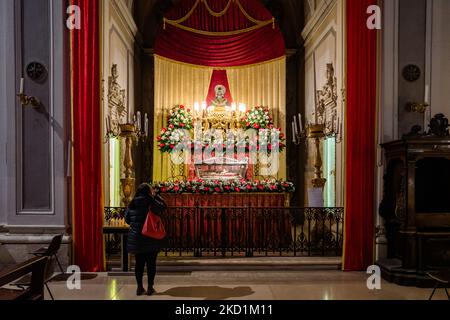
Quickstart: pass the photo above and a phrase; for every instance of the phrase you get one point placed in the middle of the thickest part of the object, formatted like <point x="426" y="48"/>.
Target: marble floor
<point x="243" y="285"/>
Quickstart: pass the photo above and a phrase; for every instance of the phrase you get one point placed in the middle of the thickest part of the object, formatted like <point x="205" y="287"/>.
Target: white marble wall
<point x="324" y="39"/>
<point x="119" y="46"/>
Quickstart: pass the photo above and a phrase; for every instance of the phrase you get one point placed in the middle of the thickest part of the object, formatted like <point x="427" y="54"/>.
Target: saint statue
<point x="220" y="100"/>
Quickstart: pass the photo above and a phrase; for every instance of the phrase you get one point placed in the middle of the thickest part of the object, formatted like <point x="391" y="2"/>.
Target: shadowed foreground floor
<point x="243" y="285"/>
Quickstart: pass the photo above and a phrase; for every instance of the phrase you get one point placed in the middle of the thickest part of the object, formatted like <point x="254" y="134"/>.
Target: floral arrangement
<point x="179" y="118"/>
<point x="224" y="186"/>
<point x="169" y="138"/>
<point x="266" y="136"/>
<point x="257" y="118"/>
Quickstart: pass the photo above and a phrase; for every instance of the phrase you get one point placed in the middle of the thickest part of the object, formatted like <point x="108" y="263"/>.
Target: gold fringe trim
<point x="217" y="14"/>
<point x="219" y="68"/>
<point x="220" y="34"/>
<point x="186" y="16"/>
<point x="258" y="23"/>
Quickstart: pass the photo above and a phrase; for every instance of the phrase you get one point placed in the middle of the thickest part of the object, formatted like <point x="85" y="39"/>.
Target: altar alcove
<point x="288" y="17"/>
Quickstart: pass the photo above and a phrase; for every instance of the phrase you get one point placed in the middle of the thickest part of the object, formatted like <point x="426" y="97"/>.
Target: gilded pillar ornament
<point x="128" y="182"/>
<point x="316" y="132"/>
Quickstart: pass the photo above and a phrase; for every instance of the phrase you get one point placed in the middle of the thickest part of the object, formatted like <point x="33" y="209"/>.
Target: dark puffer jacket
<point x="135" y="216"/>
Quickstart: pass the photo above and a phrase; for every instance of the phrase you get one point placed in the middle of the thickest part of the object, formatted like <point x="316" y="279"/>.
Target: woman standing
<point x="145" y="249"/>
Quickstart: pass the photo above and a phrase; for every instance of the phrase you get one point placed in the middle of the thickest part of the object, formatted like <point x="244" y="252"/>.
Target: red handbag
<point x="154" y="227"/>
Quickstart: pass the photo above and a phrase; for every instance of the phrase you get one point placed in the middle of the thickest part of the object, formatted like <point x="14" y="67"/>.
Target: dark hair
<point x="143" y="190"/>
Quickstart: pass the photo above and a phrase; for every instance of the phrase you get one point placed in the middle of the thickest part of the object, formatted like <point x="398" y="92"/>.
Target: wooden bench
<point x="442" y="279"/>
<point x="35" y="291"/>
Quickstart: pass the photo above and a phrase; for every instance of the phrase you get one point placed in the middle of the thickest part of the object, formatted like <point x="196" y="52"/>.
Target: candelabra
<point x="130" y="132"/>
<point x="317" y="132"/>
<point x="140" y="132"/>
<point x="26" y="100"/>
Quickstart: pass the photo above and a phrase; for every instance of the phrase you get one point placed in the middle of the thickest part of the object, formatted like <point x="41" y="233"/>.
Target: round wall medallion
<point x="36" y="71"/>
<point x="411" y="73"/>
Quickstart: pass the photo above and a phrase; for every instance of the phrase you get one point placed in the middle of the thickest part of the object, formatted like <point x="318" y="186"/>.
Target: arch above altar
<point x="238" y="39"/>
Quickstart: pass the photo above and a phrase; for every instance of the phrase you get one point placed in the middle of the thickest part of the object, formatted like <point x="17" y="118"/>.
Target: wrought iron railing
<point x="243" y="231"/>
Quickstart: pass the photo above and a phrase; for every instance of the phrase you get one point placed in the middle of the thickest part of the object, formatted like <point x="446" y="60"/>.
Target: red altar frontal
<point x="252" y="200"/>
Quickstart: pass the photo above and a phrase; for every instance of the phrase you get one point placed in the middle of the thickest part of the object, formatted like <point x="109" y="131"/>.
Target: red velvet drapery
<point x="263" y="44"/>
<point x="87" y="177"/>
<point x="361" y="120"/>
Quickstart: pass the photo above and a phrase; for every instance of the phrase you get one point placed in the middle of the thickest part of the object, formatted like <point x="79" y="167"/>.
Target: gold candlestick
<point x="128" y="131"/>
<point x="316" y="132"/>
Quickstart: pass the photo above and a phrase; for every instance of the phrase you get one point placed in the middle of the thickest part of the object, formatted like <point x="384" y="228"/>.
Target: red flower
<point x="164" y="130"/>
<point x="207" y="189"/>
<point x="261" y="187"/>
<point x="172" y="146"/>
<point x="171" y="126"/>
<point x="176" y="188"/>
<point x="227" y="188"/>
<point x="217" y="189"/>
<point x="257" y="126"/>
<point x="269" y="146"/>
<point x="281" y="135"/>
<point x="181" y="107"/>
<point x="249" y="187"/>
<point x="163" y="189"/>
<point x="162" y="145"/>
<point x="237" y="189"/>
<point x="182" y="125"/>
<point x="158" y="138"/>
<point x="248" y="124"/>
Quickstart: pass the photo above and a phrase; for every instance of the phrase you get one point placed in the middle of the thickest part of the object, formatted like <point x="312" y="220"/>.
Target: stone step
<point x="186" y="265"/>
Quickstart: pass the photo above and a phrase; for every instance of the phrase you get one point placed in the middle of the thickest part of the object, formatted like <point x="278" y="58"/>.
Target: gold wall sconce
<point x="26" y="100"/>
<point x="418" y="107"/>
<point x="31" y="101"/>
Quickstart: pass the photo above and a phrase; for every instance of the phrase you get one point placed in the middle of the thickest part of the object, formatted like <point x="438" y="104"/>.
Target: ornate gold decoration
<point x="222" y="118"/>
<point x="258" y="23"/>
<point x="418" y="107"/>
<point x="316" y="132"/>
<point x="116" y="97"/>
<point x="29" y="101"/>
<point x="326" y="109"/>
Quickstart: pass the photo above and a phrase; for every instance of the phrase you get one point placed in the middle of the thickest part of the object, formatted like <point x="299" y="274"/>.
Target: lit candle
<point x="139" y="120"/>
<point x="196" y="107"/>
<point x="146" y="124"/>
<point x="300" y="122"/>
<point x="294" y="138"/>
<point x="295" y="125"/>
<point x="21" y="85"/>
<point x="233" y="106"/>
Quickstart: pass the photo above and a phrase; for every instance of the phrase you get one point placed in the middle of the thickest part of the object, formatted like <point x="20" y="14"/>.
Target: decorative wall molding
<point x="317" y="18"/>
<point x="126" y="18"/>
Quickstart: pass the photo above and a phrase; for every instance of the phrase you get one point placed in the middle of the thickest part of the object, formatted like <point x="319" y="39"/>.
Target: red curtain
<point x="87" y="146"/>
<point x="251" y="47"/>
<point x="361" y="120"/>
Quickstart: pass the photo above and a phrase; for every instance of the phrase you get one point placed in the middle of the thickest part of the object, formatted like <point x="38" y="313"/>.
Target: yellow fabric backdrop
<point x="179" y="83"/>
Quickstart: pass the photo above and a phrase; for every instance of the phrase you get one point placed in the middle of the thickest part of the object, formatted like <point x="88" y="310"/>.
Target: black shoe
<point x="140" y="291"/>
<point x="150" y="291"/>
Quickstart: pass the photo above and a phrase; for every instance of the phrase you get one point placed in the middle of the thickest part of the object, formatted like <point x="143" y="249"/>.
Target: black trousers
<point x="149" y="259"/>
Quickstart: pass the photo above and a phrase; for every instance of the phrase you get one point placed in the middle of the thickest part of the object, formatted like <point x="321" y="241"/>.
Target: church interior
<point x="302" y="147"/>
